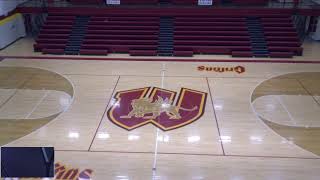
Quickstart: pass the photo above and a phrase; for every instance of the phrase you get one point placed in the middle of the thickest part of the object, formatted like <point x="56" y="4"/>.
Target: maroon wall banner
<point x="133" y="108"/>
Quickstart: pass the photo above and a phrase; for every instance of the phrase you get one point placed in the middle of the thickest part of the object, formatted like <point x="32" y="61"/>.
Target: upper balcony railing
<point x="285" y="4"/>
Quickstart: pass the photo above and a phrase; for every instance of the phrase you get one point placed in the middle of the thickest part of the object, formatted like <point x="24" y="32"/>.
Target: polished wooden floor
<point x="260" y="121"/>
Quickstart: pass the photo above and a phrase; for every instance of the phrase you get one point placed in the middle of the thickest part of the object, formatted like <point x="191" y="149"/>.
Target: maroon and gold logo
<point x="134" y="108"/>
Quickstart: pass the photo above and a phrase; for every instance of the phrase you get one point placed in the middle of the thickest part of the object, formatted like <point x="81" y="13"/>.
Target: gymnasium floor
<point x="233" y="120"/>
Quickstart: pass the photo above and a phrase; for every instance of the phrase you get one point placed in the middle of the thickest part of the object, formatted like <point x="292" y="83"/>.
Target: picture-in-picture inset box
<point x="27" y="162"/>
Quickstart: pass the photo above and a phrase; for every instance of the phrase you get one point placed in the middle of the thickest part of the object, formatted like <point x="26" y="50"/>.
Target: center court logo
<point x="133" y="108"/>
<point x="237" y="69"/>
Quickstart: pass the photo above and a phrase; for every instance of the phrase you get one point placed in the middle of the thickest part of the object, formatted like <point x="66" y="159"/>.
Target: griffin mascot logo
<point x="134" y="108"/>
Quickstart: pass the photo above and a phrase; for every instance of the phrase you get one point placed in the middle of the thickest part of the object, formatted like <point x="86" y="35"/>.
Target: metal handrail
<point x="306" y="4"/>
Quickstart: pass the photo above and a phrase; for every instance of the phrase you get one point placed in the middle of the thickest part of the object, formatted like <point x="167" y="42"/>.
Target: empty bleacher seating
<point x="185" y="2"/>
<point x="54" y="34"/>
<point x="210" y="35"/>
<point x="281" y="37"/>
<point x="139" y="2"/>
<point x="121" y="34"/>
<point x="143" y="52"/>
<point x="141" y="35"/>
<point x="183" y="53"/>
<point x="93" y="52"/>
<point x="136" y="35"/>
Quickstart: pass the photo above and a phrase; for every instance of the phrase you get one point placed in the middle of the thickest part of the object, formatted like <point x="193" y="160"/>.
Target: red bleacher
<point x="133" y="35"/>
<point x="281" y="37"/>
<point x="184" y="2"/>
<point x="54" y="34"/>
<point x="139" y="2"/>
<point x="138" y="35"/>
<point x="210" y="35"/>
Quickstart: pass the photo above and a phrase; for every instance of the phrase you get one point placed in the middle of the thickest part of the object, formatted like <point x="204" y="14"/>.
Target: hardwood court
<point x="192" y="120"/>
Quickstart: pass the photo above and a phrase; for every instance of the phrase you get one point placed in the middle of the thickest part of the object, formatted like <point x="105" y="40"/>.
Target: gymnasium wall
<point x="11" y="29"/>
<point x="7" y="6"/>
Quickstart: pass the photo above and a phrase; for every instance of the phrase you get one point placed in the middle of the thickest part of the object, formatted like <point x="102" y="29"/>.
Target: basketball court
<point x="135" y="93"/>
<point x="239" y="120"/>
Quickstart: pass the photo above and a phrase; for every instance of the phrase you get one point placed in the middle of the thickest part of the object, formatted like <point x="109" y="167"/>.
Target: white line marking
<point x="8" y="98"/>
<point x="156" y="146"/>
<point x="285" y="108"/>
<point x="38" y="103"/>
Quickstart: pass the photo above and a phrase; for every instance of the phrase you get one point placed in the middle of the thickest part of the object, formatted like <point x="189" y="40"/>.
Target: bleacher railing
<point x="285" y="4"/>
<point x="300" y="22"/>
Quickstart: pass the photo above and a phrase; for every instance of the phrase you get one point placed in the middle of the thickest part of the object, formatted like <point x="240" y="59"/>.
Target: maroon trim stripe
<point x="165" y="60"/>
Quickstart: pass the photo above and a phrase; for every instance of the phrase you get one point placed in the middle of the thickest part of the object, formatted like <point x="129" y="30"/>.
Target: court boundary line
<point x="279" y="100"/>
<point x="308" y="91"/>
<point x="38" y="103"/>
<point x="216" y="118"/>
<point x="200" y="76"/>
<point x="165" y="60"/>
<point x="16" y="90"/>
<point x="175" y="76"/>
<point x="192" y="154"/>
<point x="103" y="114"/>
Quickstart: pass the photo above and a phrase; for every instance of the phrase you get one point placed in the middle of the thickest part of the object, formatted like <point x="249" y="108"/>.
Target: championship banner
<point x="205" y="2"/>
<point x="113" y="2"/>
